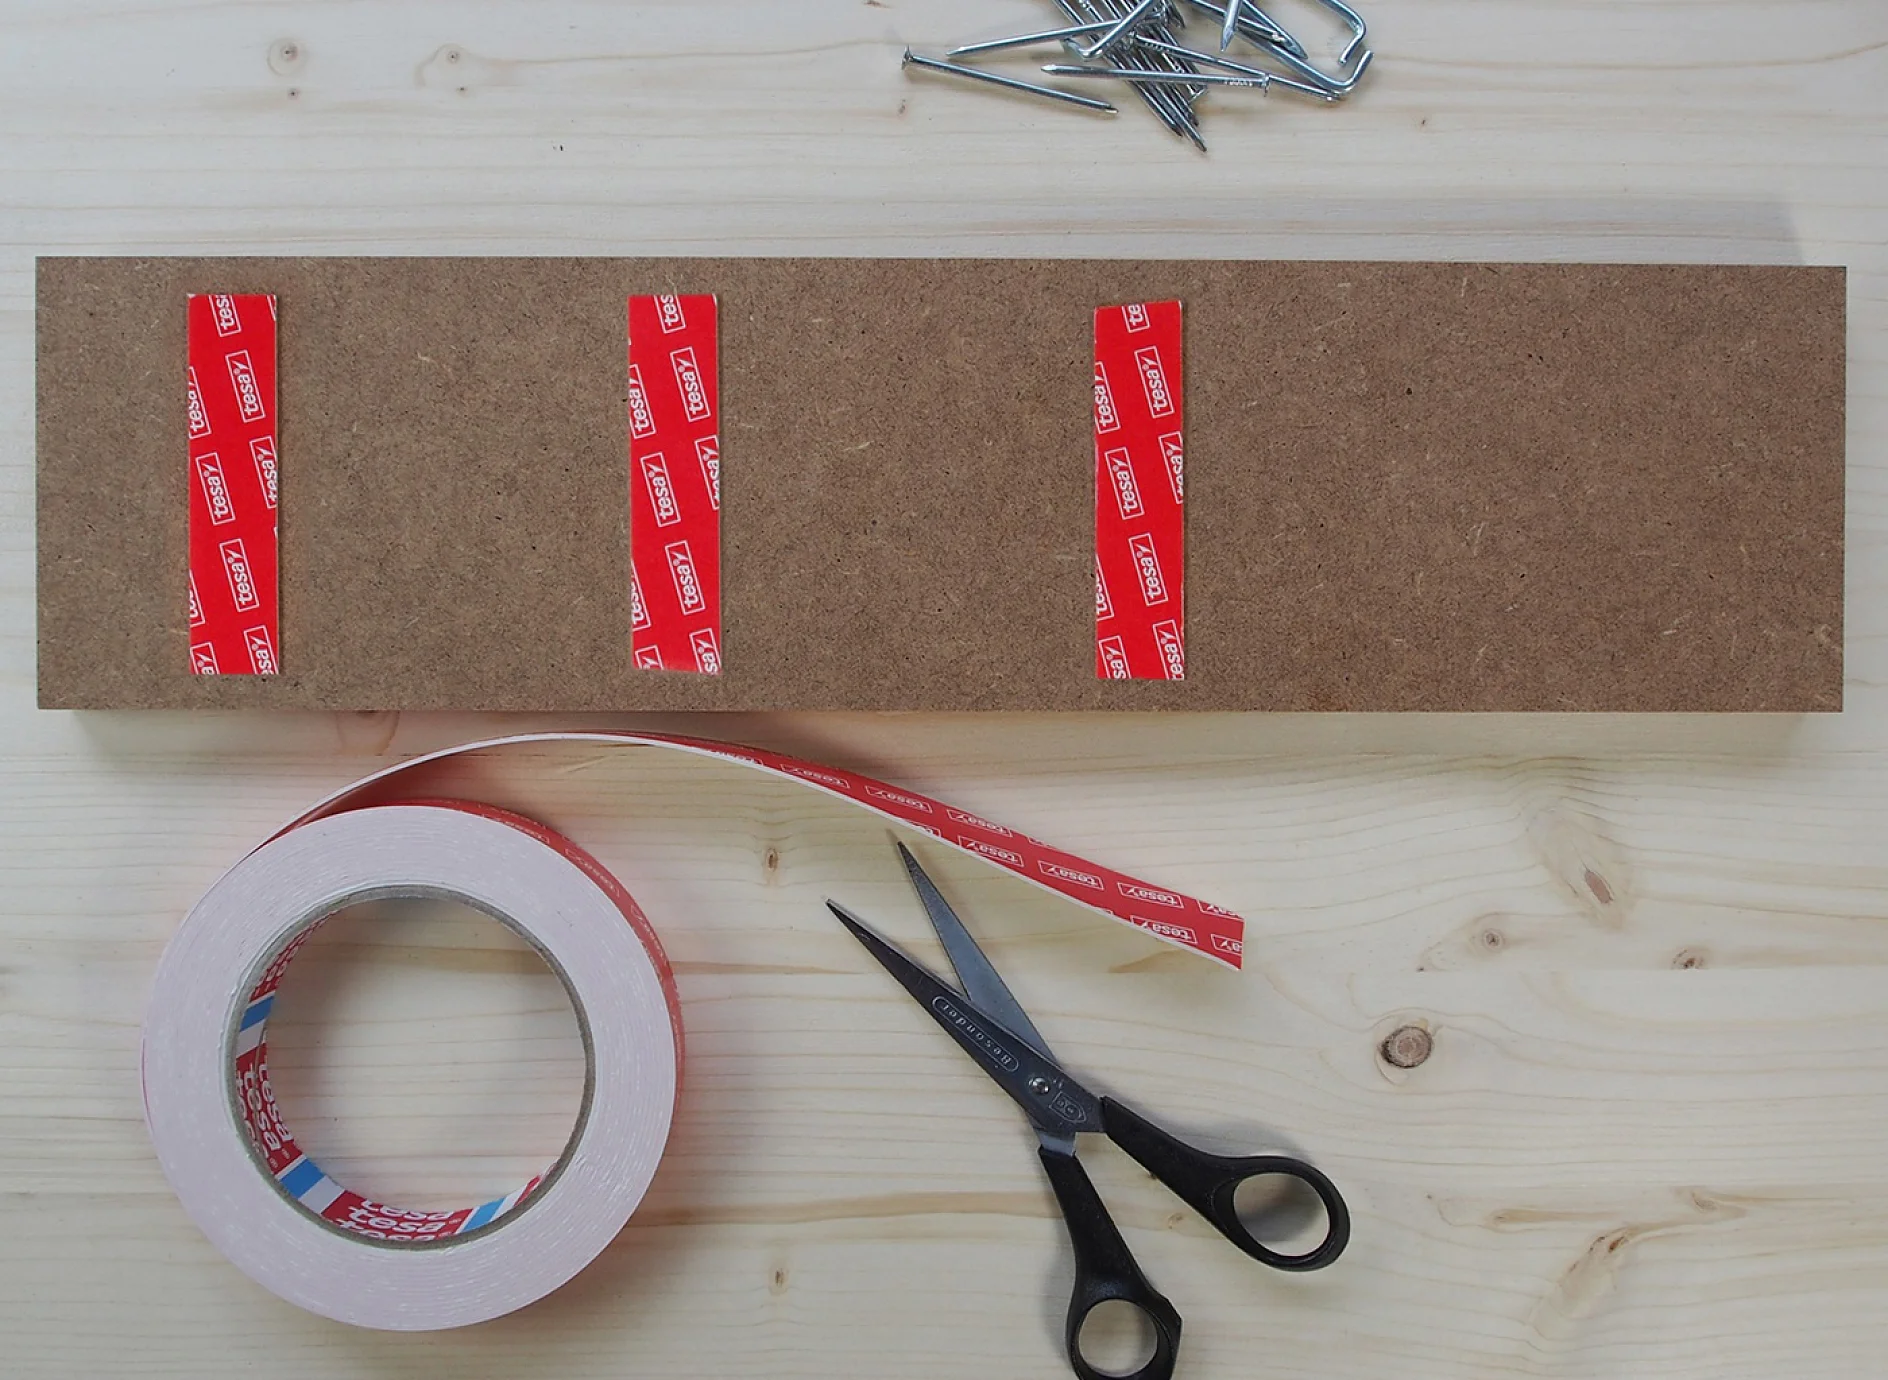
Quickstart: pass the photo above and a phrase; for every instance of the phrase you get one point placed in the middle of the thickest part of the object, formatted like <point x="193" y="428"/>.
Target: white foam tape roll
<point x="272" y="1211"/>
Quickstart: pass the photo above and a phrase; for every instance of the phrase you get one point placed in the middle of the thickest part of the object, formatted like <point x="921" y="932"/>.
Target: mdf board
<point x="1436" y="487"/>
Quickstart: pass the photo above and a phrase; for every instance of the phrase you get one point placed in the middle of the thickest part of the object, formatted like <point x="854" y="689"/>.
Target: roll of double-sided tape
<point x="292" y="1228"/>
<point x="268" y="1207"/>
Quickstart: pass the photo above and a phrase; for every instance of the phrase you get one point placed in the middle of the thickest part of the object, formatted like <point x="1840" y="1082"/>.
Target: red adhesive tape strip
<point x="234" y="625"/>
<point x="674" y="484"/>
<point x="1180" y="920"/>
<point x="1140" y="494"/>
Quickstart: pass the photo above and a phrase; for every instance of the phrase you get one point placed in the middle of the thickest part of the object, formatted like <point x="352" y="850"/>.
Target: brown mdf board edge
<point x="1345" y="420"/>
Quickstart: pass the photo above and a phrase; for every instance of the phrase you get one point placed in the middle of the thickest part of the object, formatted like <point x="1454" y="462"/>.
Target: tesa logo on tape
<point x="669" y="312"/>
<point x="242" y="580"/>
<point x="910" y="802"/>
<point x="1070" y="874"/>
<point x="223" y="308"/>
<point x="825" y="778"/>
<point x="1134" y="891"/>
<point x="1173" y="451"/>
<point x="1104" y="606"/>
<point x="649" y="658"/>
<point x="1127" y="493"/>
<point x="687" y="583"/>
<point x="196" y="604"/>
<point x="1173" y="652"/>
<point x="688" y="378"/>
<point x="707" y="654"/>
<point x="642" y="422"/>
<point x="1154" y="381"/>
<point x="262" y="451"/>
<point x="215" y="489"/>
<point x="1167" y="929"/>
<point x="261" y="651"/>
<point x="1106" y="417"/>
<point x="203" y="659"/>
<point x="655" y="473"/>
<point x="1226" y="945"/>
<point x="708" y="452"/>
<point x="978" y="822"/>
<point x="242" y="376"/>
<point x="1114" y="659"/>
<point x="1147" y="567"/>
<point x="1136" y="317"/>
<point x="199" y="416"/>
<point x="990" y="850"/>
<point x="638" y="611"/>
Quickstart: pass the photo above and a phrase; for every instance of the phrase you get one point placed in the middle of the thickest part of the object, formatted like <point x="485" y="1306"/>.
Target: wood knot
<point x="1601" y="889"/>
<point x="285" y="56"/>
<point x="1408" y="1047"/>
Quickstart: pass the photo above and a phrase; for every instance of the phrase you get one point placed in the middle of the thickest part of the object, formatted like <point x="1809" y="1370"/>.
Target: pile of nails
<point x="1137" y="42"/>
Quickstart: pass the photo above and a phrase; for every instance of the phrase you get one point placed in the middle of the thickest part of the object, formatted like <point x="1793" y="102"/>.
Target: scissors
<point x="992" y="1028"/>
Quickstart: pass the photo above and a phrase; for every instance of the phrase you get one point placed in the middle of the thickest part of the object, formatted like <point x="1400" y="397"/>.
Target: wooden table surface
<point x="1652" y="952"/>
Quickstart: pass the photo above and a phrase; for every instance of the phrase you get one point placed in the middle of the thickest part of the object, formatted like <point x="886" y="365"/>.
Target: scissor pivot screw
<point x="1039" y="1086"/>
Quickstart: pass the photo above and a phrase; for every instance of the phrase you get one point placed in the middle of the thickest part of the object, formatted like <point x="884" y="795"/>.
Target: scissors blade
<point x="1052" y="1100"/>
<point x="981" y="981"/>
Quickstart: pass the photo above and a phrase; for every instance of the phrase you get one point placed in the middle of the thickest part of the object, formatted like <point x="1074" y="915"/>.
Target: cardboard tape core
<point x="297" y="1176"/>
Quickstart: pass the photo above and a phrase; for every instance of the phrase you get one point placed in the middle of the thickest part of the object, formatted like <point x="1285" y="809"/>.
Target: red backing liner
<point x="674" y="484"/>
<point x="1180" y="920"/>
<point x="1140" y="498"/>
<point x="234" y="622"/>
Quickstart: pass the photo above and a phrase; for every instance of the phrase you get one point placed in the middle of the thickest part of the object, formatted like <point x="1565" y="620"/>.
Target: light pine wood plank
<point x="1650" y="951"/>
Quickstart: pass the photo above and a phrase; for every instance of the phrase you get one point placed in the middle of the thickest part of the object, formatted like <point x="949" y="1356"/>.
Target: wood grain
<point x="1651" y="951"/>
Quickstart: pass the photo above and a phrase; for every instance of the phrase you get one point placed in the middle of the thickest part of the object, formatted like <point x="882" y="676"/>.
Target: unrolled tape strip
<point x="284" y="1222"/>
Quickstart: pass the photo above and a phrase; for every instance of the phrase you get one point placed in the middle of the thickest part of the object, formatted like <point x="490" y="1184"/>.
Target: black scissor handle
<point x="1209" y="1184"/>
<point x="1105" y="1272"/>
